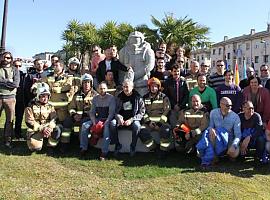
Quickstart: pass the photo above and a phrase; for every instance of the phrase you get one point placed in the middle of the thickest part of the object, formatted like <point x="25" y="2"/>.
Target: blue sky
<point x="35" y="27"/>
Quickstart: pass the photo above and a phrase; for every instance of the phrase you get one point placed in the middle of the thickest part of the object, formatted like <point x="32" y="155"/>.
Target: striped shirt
<point x="215" y="80"/>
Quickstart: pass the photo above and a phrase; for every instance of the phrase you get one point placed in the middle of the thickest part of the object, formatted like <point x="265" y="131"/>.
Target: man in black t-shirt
<point x="129" y="112"/>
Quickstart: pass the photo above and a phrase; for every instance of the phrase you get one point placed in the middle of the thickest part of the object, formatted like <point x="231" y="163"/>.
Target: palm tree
<point x="71" y="36"/>
<point x="179" y="32"/>
<point x="88" y="37"/>
<point x="109" y="34"/>
<point x="124" y="29"/>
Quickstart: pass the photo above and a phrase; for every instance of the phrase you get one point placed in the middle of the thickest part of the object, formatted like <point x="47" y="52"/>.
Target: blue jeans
<point x="135" y="126"/>
<point x="85" y="131"/>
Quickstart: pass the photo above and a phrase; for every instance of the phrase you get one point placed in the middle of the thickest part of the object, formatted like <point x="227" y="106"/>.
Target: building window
<point x="247" y="46"/>
<point x="228" y="56"/>
<point x="265" y="58"/>
<point x="256" y="59"/>
<point x="239" y="61"/>
<point x="214" y="51"/>
<point x="248" y="60"/>
<point x="239" y="46"/>
<point x="219" y="51"/>
<point x="202" y="57"/>
<point x="214" y="63"/>
<point x="256" y="46"/>
<point x="198" y="58"/>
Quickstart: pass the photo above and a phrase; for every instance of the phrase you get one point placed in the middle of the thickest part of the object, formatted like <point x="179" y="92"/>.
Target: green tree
<point x="181" y="32"/>
<point x="124" y="29"/>
<point x="113" y="34"/>
<point x="88" y="37"/>
<point x="71" y="37"/>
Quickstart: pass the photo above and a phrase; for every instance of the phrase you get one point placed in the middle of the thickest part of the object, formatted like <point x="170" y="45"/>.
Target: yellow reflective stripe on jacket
<point x="111" y="90"/>
<point x="76" y="129"/>
<point x="193" y="116"/>
<point x="155" y="119"/>
<point x="158" y="101"/>
<point x="65" y="134"/>
<point x="71" y="111"/>
<point x="59" y="104"/>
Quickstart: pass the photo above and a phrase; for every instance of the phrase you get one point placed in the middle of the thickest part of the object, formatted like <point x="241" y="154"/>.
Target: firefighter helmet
<point x="86" y="77"/>
<point x="154" y="80"/>
<point x="74" y="60"/>
<point x="43" y="88"/>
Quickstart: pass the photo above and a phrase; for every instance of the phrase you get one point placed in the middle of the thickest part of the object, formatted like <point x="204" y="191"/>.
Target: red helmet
<point x="154" y="80"/>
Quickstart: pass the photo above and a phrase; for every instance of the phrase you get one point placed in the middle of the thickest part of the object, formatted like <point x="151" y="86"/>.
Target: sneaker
<point x="132" y="152"/>
<point x="103" y="156"/>
<point x="117" y="149"/>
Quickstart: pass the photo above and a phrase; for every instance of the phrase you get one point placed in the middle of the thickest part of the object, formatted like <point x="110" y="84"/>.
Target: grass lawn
<point x="38" y="176"/>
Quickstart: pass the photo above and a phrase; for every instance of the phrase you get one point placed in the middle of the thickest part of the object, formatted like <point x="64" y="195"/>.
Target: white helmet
<point x="74" y="60"/>
<point x="43" y="88"/>
<point x="87" y="77"/>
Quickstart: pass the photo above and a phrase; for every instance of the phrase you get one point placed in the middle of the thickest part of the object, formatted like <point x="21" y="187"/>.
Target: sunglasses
<point x="94" y="50"/>
<point x="17" y="65"/>
<point x="8" y="58"/>
<point x="263" y="70"/>
<point x="227" y="105"/>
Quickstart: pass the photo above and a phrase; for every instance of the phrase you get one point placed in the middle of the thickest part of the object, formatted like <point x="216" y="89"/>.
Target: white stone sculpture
<point x="138" y="55"/>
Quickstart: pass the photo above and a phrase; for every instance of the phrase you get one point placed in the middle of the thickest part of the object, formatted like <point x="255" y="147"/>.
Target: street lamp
<point x="264" y="42"/>
<point x="4" y="27"/>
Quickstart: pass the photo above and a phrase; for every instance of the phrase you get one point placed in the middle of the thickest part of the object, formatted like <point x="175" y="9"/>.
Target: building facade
<point x="252" y="49"/>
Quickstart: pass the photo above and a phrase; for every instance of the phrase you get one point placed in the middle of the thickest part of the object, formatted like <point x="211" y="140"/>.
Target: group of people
<point x="196" y="112"/>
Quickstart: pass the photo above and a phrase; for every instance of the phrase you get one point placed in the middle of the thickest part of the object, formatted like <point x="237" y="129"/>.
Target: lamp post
<point x="264" y="42"/>
<point x="4" y="27"/>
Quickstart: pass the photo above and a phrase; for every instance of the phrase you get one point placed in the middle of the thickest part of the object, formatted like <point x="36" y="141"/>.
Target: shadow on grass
<point x="186" y="164"/>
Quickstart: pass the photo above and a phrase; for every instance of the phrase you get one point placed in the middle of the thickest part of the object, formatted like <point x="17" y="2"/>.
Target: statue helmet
<point x="43" y="88"/>
<point x="154" y="80"/>
<point x="74" y="60"/>
<point x="137" y="34"/>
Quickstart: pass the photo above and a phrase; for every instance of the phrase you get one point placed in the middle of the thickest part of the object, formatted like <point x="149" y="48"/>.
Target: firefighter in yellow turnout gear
<point x="80" y="105"/>
<point x="62" y="91"/>
<point x="74" y="73"/>
<point x="157" y="107"/>
<point x="192" y="122"/>
<point x="40" y="118"/>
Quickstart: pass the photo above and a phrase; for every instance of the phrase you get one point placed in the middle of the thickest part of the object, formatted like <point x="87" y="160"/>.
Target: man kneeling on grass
<point x="223" y="134"/>
<point x="192" y="123"/>
<point x="252" y="132"/>
<point x="40" y="118"/>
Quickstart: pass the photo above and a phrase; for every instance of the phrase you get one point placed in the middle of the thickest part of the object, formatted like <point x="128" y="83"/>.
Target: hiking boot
<point x="50" y="151"/>
<point x="117" y="149"/>
<point x="64" y="148"/>
<point x="83" y="153"/>
<point x="132" y="152"/>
